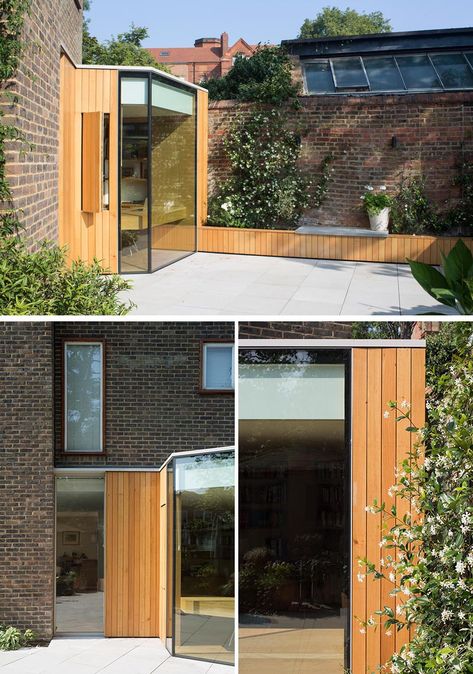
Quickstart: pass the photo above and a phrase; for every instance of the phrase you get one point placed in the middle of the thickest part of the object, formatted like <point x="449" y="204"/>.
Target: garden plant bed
<point x="396" y="248"/>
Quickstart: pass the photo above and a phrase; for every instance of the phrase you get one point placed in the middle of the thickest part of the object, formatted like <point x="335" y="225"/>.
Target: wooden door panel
<point x="132" y="592"/>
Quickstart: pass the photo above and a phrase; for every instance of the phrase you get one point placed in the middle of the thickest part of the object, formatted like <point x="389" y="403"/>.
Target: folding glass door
<point x="294" y="512"/>
<point x="158" y="172"/>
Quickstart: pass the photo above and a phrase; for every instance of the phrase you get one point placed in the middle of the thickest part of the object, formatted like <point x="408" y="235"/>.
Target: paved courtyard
<point x="238" y="285"/>
<point x="94" y="655"/>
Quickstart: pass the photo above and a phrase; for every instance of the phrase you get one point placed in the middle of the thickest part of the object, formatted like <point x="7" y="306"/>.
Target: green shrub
<point x="42" y="283"/>
<point x="412" y="211"/>
<point x="266" y="189"/>
<point x="374" y="202"/>
<point x="460" y="216"/>
<point x="11" y="638"/>
<point x="265" y="77"/>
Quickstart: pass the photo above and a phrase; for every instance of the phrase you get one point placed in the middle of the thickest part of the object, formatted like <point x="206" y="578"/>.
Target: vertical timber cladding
<point x="379" y="444"/>
<point x="132" y="562"/>
<point x="202" y="157"/>
<point x="91" y="234"/>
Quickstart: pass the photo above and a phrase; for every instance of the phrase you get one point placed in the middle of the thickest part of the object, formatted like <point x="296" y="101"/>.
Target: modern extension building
<point x="317" y="445"/>
<point x="117" y="482"/>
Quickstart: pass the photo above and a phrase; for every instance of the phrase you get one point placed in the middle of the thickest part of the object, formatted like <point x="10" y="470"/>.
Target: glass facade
<point x="203" y="611"/>
<point x="294" y="523"/>
<point x="158" y="173"/>
<point x="79" y="555"/>
<point x="411" y="72"/>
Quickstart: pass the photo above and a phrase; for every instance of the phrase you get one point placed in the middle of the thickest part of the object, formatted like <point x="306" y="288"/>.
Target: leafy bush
<point x="42" y="283"/>
<point x="374" y="202"/>
<point x="428" y="554"/>
<point x="11" y="638"/>
<point x="331" y="21"/>
<point x="412" y="210"/>
<point x="453" y="287"/>
<point x="460" y="217"/>
<point x="265" y="77"/>
<point x="266" y="189"/>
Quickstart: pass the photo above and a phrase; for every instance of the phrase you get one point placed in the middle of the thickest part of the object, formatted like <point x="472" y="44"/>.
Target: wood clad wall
<point x="132" y="544"/>
<point x="202" y="156"/>
<point x="394" y="248"/>
<point x="379" y="445"/>
<point x="94" y="234"/>
<point x="163" y="554"/>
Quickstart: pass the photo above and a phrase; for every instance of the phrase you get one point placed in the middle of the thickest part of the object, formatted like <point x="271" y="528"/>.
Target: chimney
<point x="224" y="43"/>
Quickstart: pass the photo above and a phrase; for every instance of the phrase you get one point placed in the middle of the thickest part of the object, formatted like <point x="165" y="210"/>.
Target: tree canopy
<point x="123" y="50"/>
<point x="332" y="21"/>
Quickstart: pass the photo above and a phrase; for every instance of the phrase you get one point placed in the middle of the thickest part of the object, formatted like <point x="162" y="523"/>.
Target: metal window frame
<point x="354" y="87"/>
<point x="468" y="64"/>
<point x="396" y="65"/>
<point x="304" y="77"/>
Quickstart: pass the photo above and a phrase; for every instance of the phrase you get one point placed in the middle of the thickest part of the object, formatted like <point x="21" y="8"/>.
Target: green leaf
<point x="458" y="264"/>
<point x="429" y="278"/>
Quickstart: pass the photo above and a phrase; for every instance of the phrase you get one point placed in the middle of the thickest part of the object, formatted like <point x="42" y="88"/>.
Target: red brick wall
<point x="433" y="132"/>
<point x="34" y="176"/>
<point x="285" y="330"/>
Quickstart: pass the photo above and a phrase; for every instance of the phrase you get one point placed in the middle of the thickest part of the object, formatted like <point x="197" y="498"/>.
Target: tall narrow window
<point x="106" y="163"/>
<point x="83" y="396"/>
<point x="217" y="367"/>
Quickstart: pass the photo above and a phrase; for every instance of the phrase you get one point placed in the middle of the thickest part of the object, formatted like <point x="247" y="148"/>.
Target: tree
<point x="382" y="330"/>
<point x="123" y="50"/>
<point x="332" y="21"/>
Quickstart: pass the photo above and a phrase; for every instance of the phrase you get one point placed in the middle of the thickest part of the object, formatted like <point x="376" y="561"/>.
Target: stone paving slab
<point x="213" y="284"/>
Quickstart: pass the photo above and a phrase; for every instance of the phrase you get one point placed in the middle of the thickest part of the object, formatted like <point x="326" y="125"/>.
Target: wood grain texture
<point x="396" y="248"/>
<point x="379" y="444"/>
<point x="132" y="565"/>
<point x="202" y="156"/>
<point x="88" y="230"/>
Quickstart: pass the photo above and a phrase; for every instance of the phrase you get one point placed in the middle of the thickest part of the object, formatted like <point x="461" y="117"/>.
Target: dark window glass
<point x="383" y="74"/>
<point x="469" y="58"/>
<point x="349" y="73"/>
<point x="454" y="71"/>
<point x="294" y="566"/>
<point x="319" y="78"/>
<point x="418" y="72"/>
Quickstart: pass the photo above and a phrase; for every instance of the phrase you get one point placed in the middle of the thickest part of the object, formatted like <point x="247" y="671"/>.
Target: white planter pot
<point x="380" y="221"/>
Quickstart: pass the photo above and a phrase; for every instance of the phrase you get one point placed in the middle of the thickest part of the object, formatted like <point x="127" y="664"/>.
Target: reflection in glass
<point x="204" y="557"/>
<point x="134" y="175"/>
<point x="349" y="73"/>
<point x="173" y="214"/>
<point x="83" y="397"/>
<point x="418" y="72"/>
<point x="218" y="367"/>
<point x="79" y="555"/>
<point x="383" y="74"/>
<point x="454" y="71"/>
<point x="294" y="525"/>
<point x="319" y="78"/>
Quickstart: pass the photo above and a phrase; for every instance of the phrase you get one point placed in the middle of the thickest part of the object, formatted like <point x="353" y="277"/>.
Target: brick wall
<point x="287" y="330"/>
<point x="433" y="132"/>
<point x="26" y="477"/>
<point x="153" y="403"/>
<point x="34" y="176"/>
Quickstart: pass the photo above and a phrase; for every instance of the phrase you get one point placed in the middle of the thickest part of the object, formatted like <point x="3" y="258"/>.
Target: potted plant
<point x="377" y="204"/>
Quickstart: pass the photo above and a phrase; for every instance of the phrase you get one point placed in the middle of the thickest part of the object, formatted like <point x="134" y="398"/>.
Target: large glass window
<point x="83" y="396"/>
<point x="383" y="74"/>
<point x="294" y="546"/>
<point x="319" y="77"/>
<point x="79" y="555"/>
<point x="204" y="604"/>
<point x="158" y="173"/>
<point x="454" y="71"/>
<point x="349" y="73"/>
<point x="418" y="72"/>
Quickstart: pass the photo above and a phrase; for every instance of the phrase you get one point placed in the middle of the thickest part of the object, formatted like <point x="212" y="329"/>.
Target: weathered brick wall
<point x="26" y="477"/>
<point x="433" y="132"/>
<point x="52" y="24"/>
<point x="288" y="330"/>
<point x="153" y="403"/>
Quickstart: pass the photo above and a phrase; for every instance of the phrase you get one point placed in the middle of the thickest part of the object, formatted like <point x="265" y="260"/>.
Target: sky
<point x="178" y="23"/>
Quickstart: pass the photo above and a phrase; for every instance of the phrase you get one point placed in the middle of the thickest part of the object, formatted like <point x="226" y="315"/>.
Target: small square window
<point x="217" y="367"/>
<point x="349" y="73"/>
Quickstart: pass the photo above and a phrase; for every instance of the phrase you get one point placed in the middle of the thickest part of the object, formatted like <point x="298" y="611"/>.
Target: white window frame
<point x="222" y="345"/>
<point x="66" y="344"/>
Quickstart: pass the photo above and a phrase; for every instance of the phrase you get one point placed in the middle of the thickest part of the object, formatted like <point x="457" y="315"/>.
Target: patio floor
<point x="91" y="655"/>
<point x="239" y="285"/>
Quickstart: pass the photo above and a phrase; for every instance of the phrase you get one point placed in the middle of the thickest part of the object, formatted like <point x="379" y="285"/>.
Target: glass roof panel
<point x="469" y="57"/>
<point x="454" y="71"/>
<point x="383" y="74"/>
<point x="418" y="72"/>
<point x="349" y="73"/>
<point x="319" y="78"/>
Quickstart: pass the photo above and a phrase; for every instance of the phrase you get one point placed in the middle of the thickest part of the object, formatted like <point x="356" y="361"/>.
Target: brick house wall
<point x="433" y="132"/>
<point x="51" y="25"/>
<point x="153" y="403"/>
<point x="27" y="499"/>
<point x="288" y="330"/>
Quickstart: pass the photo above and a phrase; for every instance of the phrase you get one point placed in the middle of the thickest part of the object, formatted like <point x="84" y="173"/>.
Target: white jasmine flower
<point x="460" y="567"/>
<point x="361" y="577"/>
<point x="383" y="188"/>
<point x="446" y="615"/>
<point x="386" y="415"/>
